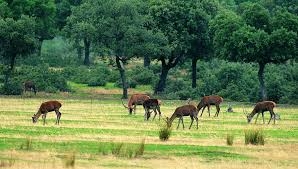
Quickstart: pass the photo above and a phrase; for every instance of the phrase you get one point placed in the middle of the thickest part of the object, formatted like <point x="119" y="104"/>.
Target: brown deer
<point x="135" y="99"/>
<point x="48" y="107"/>
<point x="261" y="107"/>
<point x="29" y="86"/>
<point x="153" y="104"/>
<point x="186" y="110"/>
<point x="206" y="101"/>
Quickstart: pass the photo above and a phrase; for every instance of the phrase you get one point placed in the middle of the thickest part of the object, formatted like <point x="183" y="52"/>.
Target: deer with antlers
<point x="153" y="104"/>
<point x="206" y="101"/>
<point x="261" y="107"/>
<point x="186" y="110"/>
<point x="135" y="99"/>
<point x="48" y="107"/>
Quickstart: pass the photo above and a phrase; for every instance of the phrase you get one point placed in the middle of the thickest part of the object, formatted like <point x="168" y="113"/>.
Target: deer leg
<point x="257" y="118"/>
<point x="197" y="121"/>
<point x="191" y="121"/>
<point x="182" y="122"/>
<point x="158" y="109"/>
<point x="155" y="113"/>
<point x="179" y="122"/>
<point x="208" y="109"/>
<point x="203" y="110"/>
<point x="146" y="114"/>
<point x="44" y="116"/>
<point x="217" y="110"/>
<point x="58" y="114"/>
<point x="134" y="108"/>
<point x="263" y="117"/>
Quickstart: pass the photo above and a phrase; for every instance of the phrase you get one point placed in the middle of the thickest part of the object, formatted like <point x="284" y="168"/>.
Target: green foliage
<point x="13" y="87"/>
<point x="254" y="136"/>
<point x="142" y="75"/>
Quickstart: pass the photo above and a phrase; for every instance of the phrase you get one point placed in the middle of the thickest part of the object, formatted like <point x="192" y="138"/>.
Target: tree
<point x="44" y="13"/>
<point x="201" y="46"/>
<point x="179" y="22"/>
<point x="17" y="38"/>
<point x="120" y="29"/>
<point x="251" y="38"/>
<point x="81" y="27"/>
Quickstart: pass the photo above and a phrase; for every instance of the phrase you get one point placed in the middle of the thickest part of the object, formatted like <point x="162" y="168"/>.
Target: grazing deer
<point x="206" y="101"/>
<point x="186" y="110"/>
<point x="29" y="86"/>
<point x="135" y="99"/>
<point x="261" y="107"/>
<point x="48" y="107"/>
<point x="151" y="104"/>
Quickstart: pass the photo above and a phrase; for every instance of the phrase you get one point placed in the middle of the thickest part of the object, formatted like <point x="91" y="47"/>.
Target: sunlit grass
<point x="87" y="123"/>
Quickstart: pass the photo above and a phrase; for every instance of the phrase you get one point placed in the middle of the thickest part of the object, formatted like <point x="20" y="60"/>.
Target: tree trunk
<point x="147" y="61"/>
<point x="87" y="52"/>
<point x="162" y="80"/>
<point x="263" y="95"/>
<point x="9" y="70"/>
<point x="122" y="76"/>
<point x="79" y="49"/>
<point x="194" y="72"/>
<point x="39" y="46"/>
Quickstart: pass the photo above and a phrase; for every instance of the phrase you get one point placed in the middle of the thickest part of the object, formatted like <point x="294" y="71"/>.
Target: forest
<point x="242" y="50"/>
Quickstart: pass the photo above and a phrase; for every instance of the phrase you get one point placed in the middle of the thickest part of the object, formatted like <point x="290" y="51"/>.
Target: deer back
<point x="264" y="106"/>
<point x="137" y="99"/>
<point x="49" y="106"/>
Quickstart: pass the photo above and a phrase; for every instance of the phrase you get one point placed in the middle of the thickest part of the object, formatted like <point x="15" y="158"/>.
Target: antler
<point x="244" y="111"/>
<point x="124" y="104"/>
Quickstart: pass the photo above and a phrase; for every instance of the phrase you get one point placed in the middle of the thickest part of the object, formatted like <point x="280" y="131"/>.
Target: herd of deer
<point x="154" y="104"/>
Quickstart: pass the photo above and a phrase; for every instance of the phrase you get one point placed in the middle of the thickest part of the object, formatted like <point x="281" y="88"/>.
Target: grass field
<point x="91" y="129"/>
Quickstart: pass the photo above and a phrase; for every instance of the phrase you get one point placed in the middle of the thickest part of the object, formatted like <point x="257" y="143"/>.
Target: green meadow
<point x="98" y="132"/>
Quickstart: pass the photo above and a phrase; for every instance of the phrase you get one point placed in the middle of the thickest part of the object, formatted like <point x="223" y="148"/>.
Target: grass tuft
<point x="70" y="159"/>
<point x="27" y="145"/>
<point x="164" y="133"/>
<point x="254" y="137"/>
<point x="230" y="139"/>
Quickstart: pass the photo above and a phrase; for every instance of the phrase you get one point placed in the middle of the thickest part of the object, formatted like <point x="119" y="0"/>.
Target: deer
<point x="186" y="110"/>
<point x="135" y="99"/>
<point x="261" y="107"/>
<point x="206" y="101"/>
<point x="46" y="107"/>
<point x="29" y="86"/>
<point x="151" y="104"/>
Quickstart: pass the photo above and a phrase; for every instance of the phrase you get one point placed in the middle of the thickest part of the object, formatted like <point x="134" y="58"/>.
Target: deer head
<point x="34" y="118"/>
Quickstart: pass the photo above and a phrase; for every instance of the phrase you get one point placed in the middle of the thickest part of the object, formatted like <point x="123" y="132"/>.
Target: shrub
<point x="94" y="81"/>
<point x="130" y="83"/>
<point x="13" y="87"/>
<point x="230" y="139"/>
<point x="255" y="137"/>
<point x="142" y="75"/>
<point x="164" y="132"/>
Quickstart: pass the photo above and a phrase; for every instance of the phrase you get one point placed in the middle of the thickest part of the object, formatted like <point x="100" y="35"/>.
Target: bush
<point x="142" y="75"/>
<point x="130" y="83"/>
<point x="13" y="87"/>
<point x="255" y="137"/>
<point x="97" y="82"/>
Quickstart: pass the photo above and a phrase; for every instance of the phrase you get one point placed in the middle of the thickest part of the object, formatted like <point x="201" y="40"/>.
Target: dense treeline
<point x="241" y="49"/>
